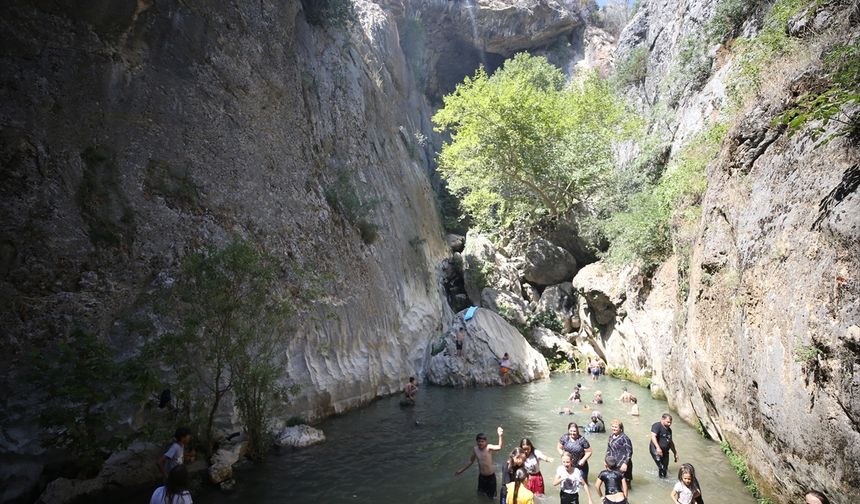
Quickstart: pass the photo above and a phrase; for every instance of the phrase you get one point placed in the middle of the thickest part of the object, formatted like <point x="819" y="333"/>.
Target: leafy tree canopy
<point x="525" y="147"/>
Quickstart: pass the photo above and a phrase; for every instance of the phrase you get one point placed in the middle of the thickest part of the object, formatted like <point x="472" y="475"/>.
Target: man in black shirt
<point x="661" y="443"/>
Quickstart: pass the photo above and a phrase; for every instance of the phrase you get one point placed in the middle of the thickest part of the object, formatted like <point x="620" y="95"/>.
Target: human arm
<point x="674" y="451"/>
<point x="501" y="433"/>
<point x="598" y="484"/>
<point x="626" y="452"/>
<point x="675" y="496"/>
<point x="624" y="487"/>
<point x="587" y="491"/>
<point x="584" y="459"/>
<point x="560" y="448"/>
<point x="471" y="461"/>
<point x="160" y="464"/>
<point x="655" y="442"/>
<point x="556" y="481"/>
<point x="542" y="456"/>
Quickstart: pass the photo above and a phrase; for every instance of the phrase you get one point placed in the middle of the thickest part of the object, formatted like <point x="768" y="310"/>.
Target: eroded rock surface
<point x="488" y="338"/>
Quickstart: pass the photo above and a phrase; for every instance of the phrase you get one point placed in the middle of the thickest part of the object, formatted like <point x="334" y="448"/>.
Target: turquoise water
<point x="379" y="455"/>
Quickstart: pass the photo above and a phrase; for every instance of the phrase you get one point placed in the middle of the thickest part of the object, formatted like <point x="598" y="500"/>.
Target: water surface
<point x="378" y="453"/>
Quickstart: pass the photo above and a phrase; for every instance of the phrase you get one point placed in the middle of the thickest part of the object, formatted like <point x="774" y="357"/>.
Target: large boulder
<point x="561" y="302"/>
<point x="549" y="342"/>
<point x="485" y="266"/>
<point x="513" y="308"/>
<point x="221" y="469"/>
<point x="488" y="337"/>
<point x="548" y="264"/>
<point x="603" y="290"/>
<point x="299" y="436"/>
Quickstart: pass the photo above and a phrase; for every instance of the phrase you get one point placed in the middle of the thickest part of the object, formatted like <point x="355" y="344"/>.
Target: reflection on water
<point x="385" y="453"/>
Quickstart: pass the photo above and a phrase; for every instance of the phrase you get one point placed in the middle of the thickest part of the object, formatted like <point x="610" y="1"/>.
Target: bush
<point x="80" y="378"/>
<point x="742" y="469"/>
<point x="330" y="13"/>
<point x="634" y="69"/>
<point x="546" y="319"/>
<point x="842" y="67"/>
<point x="728" y="18"/>
<point x="343" y="198"/>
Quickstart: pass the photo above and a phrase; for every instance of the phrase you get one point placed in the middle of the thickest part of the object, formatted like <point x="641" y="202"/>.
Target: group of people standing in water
<point x="522" y="478"/>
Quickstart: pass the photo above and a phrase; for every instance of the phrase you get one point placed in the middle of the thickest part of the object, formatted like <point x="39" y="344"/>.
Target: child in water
<point x="598" y="398"/>
<point x="514" y="462"/>
<point x="517" y="490"/>
<point x="570" y="478"/>
<point x="483" y="453"/>
<point x="616" y="483"/>
<point x="686" y="490"/>
<point x="634" y="407"/>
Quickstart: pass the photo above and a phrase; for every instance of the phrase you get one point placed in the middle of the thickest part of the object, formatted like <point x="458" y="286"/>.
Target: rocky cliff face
<point x="136" y="132"/>
<point x="764" y="349"/>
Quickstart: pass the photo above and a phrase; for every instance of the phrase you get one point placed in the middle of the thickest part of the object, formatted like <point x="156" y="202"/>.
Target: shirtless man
<point x="483" y="453"/>
<point x="459" y="339"/>
<point x="411" y="389"/>
<point x="625" y="396"/>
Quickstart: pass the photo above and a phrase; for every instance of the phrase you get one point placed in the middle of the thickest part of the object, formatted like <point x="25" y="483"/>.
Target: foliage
<point x="623" y="373"/>
<point x="756" y="53"/>
<point x="691" y="70"/>
<point x="633" y="70"/>
<point x="80" y="379"/>
<point x="342" y="196"/>
<point x="232" y="319"/>
<point x="330" y="13"/>
<point x="807" y="354"/>
<point x="842" y="66"/>
<point x="546" y="319"/>
<point x="742" y="469"/>
<point x="523" y="147"/>
<point x="728" y="17"/>
<point x="643" y="232"/>
<point x="296" y="420"/>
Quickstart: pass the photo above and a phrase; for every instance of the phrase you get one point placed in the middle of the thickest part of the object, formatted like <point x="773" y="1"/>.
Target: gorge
<point x="136" y="134"/>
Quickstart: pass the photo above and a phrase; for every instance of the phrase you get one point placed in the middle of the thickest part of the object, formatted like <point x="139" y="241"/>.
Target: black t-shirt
<point x="664" y="435"/>
<point x="612" y="480"/>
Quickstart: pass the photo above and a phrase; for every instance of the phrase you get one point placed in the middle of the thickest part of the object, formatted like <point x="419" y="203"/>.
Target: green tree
<point x="80" y="378"/>
<point x="523" y="146"/>
<point x="233" y="316"/>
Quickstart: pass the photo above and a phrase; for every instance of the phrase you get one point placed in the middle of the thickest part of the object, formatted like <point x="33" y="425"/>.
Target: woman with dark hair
<point x="176" y="489"/>
<point x="532" y="466"/>
<point x="514" y="462"/>
<point x="577" y="446"/>
<point x="620" y="448"/>
<point x="518" y="489"/>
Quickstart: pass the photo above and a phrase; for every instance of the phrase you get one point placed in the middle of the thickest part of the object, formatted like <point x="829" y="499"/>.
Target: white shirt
<point x="158" y="497"/>
<point x="570" y="482"/>
<point x="685" y="494"/>
<point x="175" y="454"/>
<point x="532" y="464"/>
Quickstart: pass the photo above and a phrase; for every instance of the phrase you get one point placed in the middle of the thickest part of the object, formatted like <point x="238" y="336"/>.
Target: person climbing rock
<point x="505" y="368"/>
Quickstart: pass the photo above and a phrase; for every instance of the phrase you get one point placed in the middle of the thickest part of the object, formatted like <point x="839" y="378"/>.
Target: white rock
<point x="300" y="436"/>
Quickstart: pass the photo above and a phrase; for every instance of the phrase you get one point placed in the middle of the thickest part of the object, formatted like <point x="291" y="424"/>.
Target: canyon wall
<point x="763" y="349"/>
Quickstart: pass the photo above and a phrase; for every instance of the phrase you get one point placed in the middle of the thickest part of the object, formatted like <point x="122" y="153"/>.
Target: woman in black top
<point x="620" y="447"/>
<point x="577" y="446"/>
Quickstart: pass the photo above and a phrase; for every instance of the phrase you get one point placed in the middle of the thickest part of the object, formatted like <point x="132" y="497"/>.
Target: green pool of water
<point x="379" y="455"/>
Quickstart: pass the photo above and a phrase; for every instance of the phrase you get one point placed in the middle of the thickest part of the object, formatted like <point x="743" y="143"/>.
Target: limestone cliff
<point x="133" y="133"/>
<point x="764" y="348"/>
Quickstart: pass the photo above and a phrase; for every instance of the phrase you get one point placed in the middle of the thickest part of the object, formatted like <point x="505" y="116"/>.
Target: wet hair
<point x="665" y="416"/>
<point x="687" y="469"/>
<point x="634" y="400"/>
<point x="177" y="484"/>
<point x="528" y="442"/>
<point x="520" y="476"/>
<point x="611" y="462"/>
<point x="818" y="495"/>
<point x="516" y="452"/>
<point x="481" y="436"/>
<point x="181" y="433"/>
